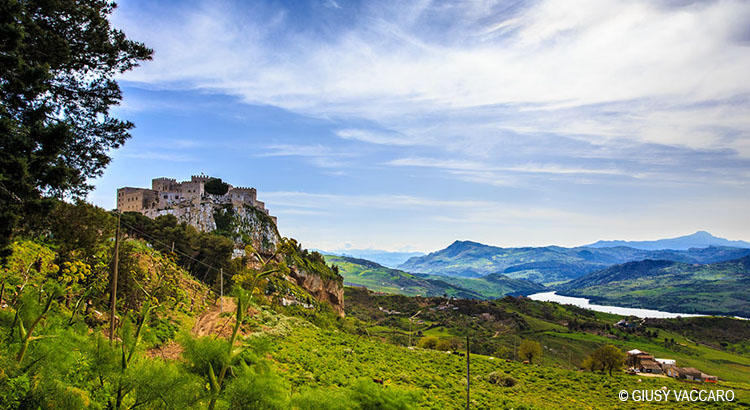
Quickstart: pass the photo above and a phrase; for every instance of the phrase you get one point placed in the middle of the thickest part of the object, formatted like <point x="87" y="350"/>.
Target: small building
<point x="689" y="373"/>
<point x="649" y="366"/>
<point x="636" y="357"/>
<point x="665" y="361"/>
<point x="670" y="370"/>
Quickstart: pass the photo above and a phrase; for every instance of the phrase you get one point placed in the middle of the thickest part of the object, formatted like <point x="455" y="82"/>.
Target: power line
<point x="219" y="270"/>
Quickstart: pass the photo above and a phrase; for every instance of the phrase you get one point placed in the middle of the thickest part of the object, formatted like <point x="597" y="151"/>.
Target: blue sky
<point x="407" y="125"/>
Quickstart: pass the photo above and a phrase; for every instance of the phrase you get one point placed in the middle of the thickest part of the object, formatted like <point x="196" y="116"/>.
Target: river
<point x="584" y="303"/>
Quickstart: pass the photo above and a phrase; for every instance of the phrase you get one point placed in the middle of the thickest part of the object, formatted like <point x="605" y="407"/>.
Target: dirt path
<point x="216" y="320"/>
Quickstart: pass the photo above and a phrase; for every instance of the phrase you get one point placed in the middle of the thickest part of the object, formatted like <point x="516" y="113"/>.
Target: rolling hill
<point x="378" y="278"/>
<point x="549" y="264"/>
<point x="385" y="258"/>
<point x="719" y="288"/>
<point x="700" y="239"/>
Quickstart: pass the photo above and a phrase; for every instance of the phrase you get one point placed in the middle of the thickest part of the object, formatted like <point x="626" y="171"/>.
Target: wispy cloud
<point x="576" y="100"/>
<point x="466" y="210"/>
<point x="375" y="137"/>
<point x="157" y="156"/>
<point x="545" y="62"/>
<point x="320" y="156"/>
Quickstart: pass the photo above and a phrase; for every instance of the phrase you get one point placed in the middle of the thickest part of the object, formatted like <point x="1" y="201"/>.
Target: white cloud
<point x="550" y="58"/>
<point x="375" y="137"/>
<point x="157" y="156"/>
<point x="580" y="117"/>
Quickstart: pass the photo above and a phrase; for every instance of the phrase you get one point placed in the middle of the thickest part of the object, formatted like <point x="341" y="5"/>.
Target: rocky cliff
<point x="246" y="224"/>
<point x="328" y="290"/>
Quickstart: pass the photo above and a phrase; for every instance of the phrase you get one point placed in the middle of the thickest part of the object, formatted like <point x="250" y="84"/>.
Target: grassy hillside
<point x="361" y="272"/>
<point x="296" y="357"/>
<point x="256" y="349"/>
<point x="330" y="359"/>
<point x="548" y="264"/>
<point x="718" y="288"/>
<point x="567" y="333"/>
<point x="492" y="286"/>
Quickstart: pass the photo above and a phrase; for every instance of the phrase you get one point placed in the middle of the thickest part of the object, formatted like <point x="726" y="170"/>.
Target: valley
<point x="550" y="264"/>
<point x="309" y="338"/>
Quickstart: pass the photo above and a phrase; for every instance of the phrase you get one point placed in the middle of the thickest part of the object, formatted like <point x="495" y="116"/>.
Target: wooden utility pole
<point x="113" y="283"/>
<point x="468" y="372"/>
<point x="221" y="290"/>
<point x="411" y="319"/>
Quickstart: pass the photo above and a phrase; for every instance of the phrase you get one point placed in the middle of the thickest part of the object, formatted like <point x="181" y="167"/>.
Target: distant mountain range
<point x="700" y="239"/>
<point x="385" y="258"/>
<point x="550" y="265"/>
<point x="378" y="278"/>
<point x="717" y="288"/>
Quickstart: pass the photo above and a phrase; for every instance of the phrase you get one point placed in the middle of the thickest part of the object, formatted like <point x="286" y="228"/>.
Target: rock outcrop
<point x="247" y="224"/>
<point x="328" y="290"/>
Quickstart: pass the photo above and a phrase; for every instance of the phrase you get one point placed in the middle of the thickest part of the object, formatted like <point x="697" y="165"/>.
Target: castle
<point x="167" y="193"/>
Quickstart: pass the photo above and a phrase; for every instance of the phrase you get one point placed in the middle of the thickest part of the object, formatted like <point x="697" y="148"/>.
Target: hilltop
<point x="721" y="288"/>
<point x="386" y="258"/>
<point x="700" y="239"/>
<point x="208" y="204"/>
<point x="549" y="264"/>
<point x="361" y="272"/>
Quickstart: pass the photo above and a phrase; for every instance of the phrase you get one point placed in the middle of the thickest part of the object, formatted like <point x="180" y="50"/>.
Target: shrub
<point x="448" y="344"/>
<point x="216" y="186"/>
<point x="261" y="391"/>
<point x="323" y="399"/>
<point x="428" y="342"/>
<point x="372" y="396"/>
<point x="500" y="379"/>
<point x="530" y="350"/>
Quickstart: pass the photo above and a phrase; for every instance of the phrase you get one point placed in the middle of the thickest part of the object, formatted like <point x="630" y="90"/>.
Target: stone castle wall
<point x="168" y="194"/>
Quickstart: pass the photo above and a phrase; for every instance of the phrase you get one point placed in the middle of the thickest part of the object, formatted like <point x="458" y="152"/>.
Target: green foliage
<point x="223" y="218"/>
<point x="428" y="342"/>
<point x="204" y="353"/>
<point x="442" y="344"/>
<point x="323" y="399"/>
<point x="58" y="67"/>
<point x="606" y="358"/>
<point x="530" y="350"/>
<point x="161" y="385"/>
<point x="371" y="396"/>
<point x="501" y="379"/>
<point x="253" y="389"/>
<point x="80" y="231"/>
<point x="30" y="310"/>
<point x="31" y="263"/>
<point x="189" y="244"/>
<point x="312" y="262"/>
<point x="215" y="186"/>
<point x="363" y="394"/>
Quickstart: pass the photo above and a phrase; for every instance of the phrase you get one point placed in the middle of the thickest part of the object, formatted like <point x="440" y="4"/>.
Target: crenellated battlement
<point x="167" y="193"/>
